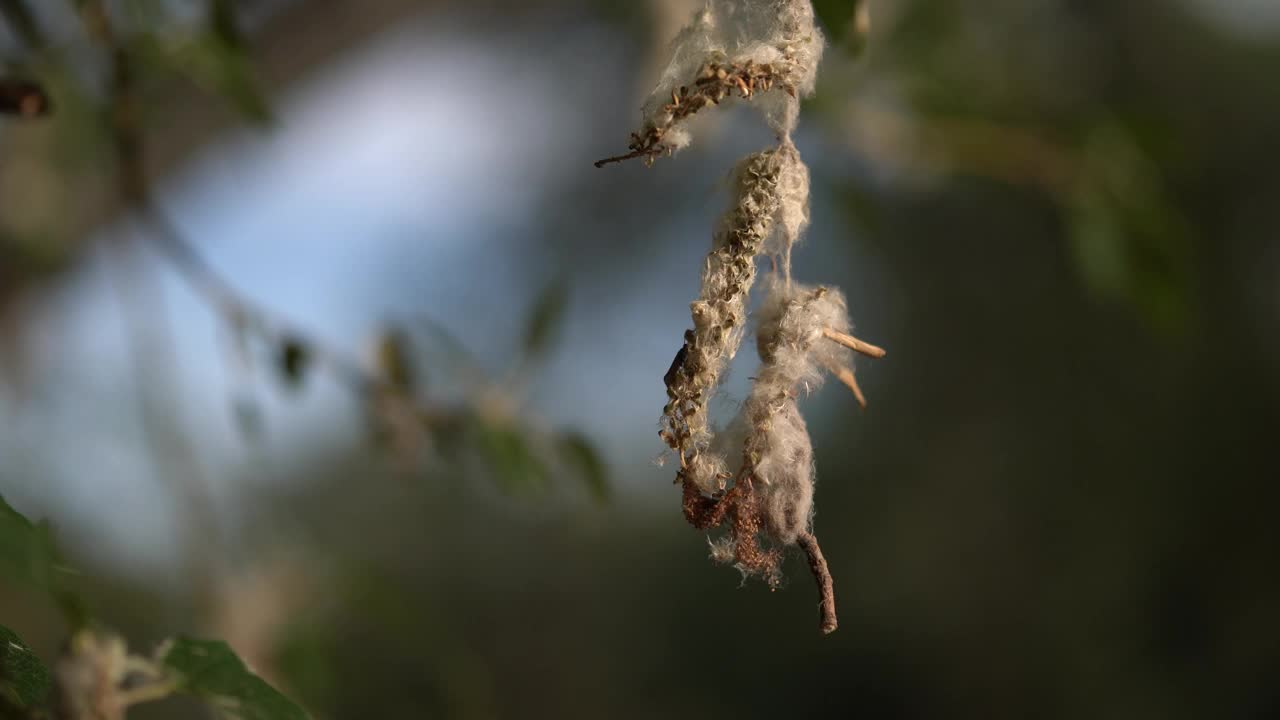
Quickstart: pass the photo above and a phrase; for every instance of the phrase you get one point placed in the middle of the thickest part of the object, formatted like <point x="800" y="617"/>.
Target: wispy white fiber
<point x="793" y="353"/>
<point x="719" y="316"/>
<point x="766" y="51"/>
<point x="778" y="35"/>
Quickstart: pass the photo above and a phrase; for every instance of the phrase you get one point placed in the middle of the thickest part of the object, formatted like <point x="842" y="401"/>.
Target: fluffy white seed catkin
<point x="719" y="314"/>
<point x="768" y="211"/>
<point x="794" y="353"/>
<point x="784" y="469"/>
<point x="793" y="209"/>
<point x="776" y="40"/>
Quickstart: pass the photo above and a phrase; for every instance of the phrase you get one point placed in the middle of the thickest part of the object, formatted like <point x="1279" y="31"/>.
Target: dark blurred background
<point x="1060" y="218"/>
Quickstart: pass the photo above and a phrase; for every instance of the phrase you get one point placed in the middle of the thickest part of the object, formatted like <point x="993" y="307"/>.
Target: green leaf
<point x="1130" y="240"/>
<point x="24" y="681"/>
<point x="578" y="452"/>
<point x="27" y="552"/>
<point x="1098" y="243"/>
<point x="511" y="456"/>
<point x="28" y="555"/>
<point x="210" y="670"/>
<point x="545" y="320"/>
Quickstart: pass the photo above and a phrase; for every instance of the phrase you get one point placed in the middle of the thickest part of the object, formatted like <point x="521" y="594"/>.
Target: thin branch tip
<point x="827" y="621"/>
<point x="647" y="154"/>
<point x="846" y="376"/>
<point x="854" y="344"/>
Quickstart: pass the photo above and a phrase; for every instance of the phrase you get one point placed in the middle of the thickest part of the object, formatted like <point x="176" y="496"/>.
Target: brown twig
<point x="151" y="339"/>
<point x="826" y="586"/>
<point x="854" y="343"/>
<point x="715" y="82"/>
<point x="628" y="156"/>
<point x="846" y="376"/>
<point x="1005" y="153"/>
<point x="238" y="309"/>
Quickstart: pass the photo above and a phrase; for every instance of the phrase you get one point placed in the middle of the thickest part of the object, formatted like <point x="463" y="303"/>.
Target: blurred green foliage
<point x="210" y="670"/>
<point x="1130" y="240"/>
<point x="1039" y="123"/>
<point x="24" y="682"/>
<point x="585" y="459"/>
<point x="214" y="62"/>
<point x="545" y="319"/>
<point x="206" y="669"/>
<point x="29" y="556"/>
<point x="515" y="464"/>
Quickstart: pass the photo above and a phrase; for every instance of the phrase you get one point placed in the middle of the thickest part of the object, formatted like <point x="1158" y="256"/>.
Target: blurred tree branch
<point x="288" y="46"/>
<point x="23" y="22"/>
<point x="387" y="389"/>
<point x="150" y="339"/>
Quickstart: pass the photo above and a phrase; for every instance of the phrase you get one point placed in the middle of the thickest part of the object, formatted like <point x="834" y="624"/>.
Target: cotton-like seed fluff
<point x="794" y="354"/>
<point x="767" y="50"/>
<point x="719" y="313"/>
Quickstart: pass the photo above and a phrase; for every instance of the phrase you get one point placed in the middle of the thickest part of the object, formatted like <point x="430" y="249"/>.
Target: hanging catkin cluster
<point x="758" y="478"/>
<point x="720" y="312"/>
